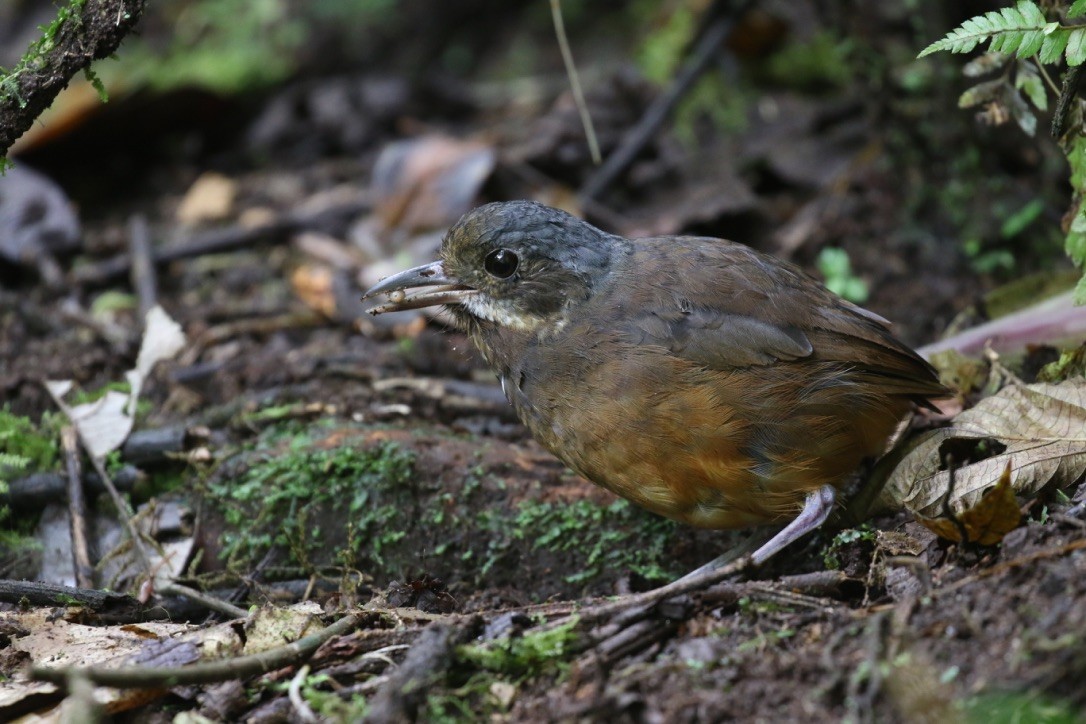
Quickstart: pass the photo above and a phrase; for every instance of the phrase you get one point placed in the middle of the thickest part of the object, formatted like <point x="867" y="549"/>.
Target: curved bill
<point x="437" y="288"/>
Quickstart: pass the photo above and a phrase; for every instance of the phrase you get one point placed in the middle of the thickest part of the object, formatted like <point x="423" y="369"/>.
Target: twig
<point x="260" y="325"/>
<point x="142" y="677"/>
<point x="77" y="509"/>
<point x="294" y="693"/>
<point x="655" y="596"/>
<point x="1009" y="565"/>
<point x="169" y="588"/>
<point x="230" y="238"/>
<point x="172" y="588"/>
<point x="143" y="274"/>
<point x="660" y="108"/>
<point x="123" y="510"/>
<point x="399" y="699"/>
<point x="575" y="81"/>
<point x="40" y="488"/>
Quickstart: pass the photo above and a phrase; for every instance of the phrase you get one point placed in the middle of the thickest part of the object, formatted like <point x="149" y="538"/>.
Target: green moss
<point x="231" y="46"/>
<point x="1010" y="708"/>
<point x="844" y="538"/>
<point x="616" y="537"/>
<point x="34" y="58"/>
<point x="35" y="444"/>
<point x="482" y="668"/>
<point x="542" y="651"/>
<point x="276" y="502"/>
<point x="839" y="278"/>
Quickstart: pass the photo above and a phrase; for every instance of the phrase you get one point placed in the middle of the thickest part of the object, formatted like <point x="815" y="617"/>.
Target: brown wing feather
<point x="751" y="309"/>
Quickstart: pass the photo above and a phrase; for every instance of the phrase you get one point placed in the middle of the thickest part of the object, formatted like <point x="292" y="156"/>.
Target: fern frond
<point x="1078" y="7"/>
<point x="1022" y="31"/>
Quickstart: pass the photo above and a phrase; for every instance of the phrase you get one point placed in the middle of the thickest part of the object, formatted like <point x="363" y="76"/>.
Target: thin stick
<point x="660" y="109"/>
<point x="294" y="693"/>
<point x="575" y="82"/>
<point x="143" y="275"/>
<point x="77" y="509"/>
<point x="169" y="588"/>
<point x="172" y="588"/>
<point x="142" y="677"/>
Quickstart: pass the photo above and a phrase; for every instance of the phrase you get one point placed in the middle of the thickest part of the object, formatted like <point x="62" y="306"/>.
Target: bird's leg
<point x="816" y="509"/>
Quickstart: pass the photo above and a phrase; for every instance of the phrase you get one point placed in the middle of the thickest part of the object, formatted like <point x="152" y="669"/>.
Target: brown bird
<point x="698" y="378"/>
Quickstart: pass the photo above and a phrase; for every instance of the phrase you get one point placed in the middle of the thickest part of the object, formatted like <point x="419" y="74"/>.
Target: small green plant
<point x="275" y="502"/>
<point x="836" y="269"/>
<point x="35" y="445"/>
<point x="1023" y="43"/>
<point x="541" y="651"/>
<point x="830" y="556"/>
<point x="486" y="670"/>
<point x="604" y="535"/>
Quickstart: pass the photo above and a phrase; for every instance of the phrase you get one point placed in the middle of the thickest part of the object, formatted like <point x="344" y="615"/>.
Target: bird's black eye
<point x="501" y="263"/>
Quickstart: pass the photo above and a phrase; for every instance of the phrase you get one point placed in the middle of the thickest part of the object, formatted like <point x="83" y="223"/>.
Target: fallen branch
<point x="82" y="33"/>
<point x="230" y="238"/>
<point x="242" y="667"/>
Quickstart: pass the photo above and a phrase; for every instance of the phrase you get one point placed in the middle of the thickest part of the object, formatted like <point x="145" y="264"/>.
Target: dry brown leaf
<point x="995" y="515"/>
<point x="313" y="285"/>
<point x="429" y="182"/>
<point x="210" y="198"/>
<point x="1038" y="430"/>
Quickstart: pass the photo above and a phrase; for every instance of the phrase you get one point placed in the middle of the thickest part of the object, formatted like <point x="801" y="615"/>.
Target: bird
<point x="696" y="377"/>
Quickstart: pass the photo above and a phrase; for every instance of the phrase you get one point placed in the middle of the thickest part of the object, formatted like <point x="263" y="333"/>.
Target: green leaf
<point x="1030" y="83"/>
<point x="1076" y="46"/>
<point x="1021" y="30"/>
<point x="1019" y="220"/>
<point x="1078" y="7"/>
<point x="1053" y="47"/>
<point x="1076" y="245"/>
<point x="1080" y="292"/>
<point x="1031" y="43"/>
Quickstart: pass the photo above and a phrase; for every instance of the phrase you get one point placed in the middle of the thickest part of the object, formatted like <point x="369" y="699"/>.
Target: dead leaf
<point x="429" y="182"/>
<point x="105" y="423"/>
<point x="995" y="515"/>
<point x="313" y="285"/>
<point x="1038" y="430"/>
<point x="210" y="198"/>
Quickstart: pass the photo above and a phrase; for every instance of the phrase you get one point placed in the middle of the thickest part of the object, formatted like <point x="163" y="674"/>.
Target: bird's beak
<point x="440" y="289"/>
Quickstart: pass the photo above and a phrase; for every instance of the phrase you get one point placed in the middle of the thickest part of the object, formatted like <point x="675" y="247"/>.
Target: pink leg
<point x="816" y="509"/>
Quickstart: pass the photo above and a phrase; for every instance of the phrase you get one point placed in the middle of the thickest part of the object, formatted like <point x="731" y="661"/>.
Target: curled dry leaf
<point x="995" y="515"/>
<point x="1038" y="430"/>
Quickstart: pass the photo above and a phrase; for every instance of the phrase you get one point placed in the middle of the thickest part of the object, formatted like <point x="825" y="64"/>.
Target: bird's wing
<point x="723" y="306"/>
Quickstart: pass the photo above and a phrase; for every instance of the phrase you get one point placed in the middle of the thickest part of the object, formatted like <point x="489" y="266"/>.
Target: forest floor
<point x="297" y="449"/>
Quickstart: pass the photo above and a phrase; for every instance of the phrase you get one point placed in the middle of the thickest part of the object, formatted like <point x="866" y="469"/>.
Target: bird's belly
<point x="677" y="453"/>
<point x="709" y="449"/>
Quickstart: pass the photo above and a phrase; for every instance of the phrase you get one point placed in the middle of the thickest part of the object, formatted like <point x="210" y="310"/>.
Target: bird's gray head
<point x="518" y="264"/>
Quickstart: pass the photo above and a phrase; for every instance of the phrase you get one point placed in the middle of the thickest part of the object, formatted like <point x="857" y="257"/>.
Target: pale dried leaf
<point x="274" y="626"/>
<point x="995" y="515"/>
<point x="104" y="424"/>
<point x="1042" y="426"/>
<point x="210" y="198"/>
<point x="162" y="339"/>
